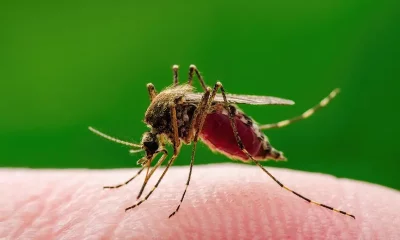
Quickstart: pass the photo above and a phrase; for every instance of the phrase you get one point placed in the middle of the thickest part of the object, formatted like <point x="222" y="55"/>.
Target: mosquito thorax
<point x="158" y="114"/>
<point x="150" y="143"/>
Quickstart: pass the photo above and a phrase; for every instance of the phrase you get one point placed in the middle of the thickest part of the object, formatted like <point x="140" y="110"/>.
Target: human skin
<point x="224" y="201"/>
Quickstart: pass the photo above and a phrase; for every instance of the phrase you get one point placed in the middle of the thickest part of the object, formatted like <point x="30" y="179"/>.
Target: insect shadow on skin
<point x="179" y="115"/>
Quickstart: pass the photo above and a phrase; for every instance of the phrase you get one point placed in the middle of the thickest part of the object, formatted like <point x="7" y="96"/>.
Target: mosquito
<point x="179" y="115"/>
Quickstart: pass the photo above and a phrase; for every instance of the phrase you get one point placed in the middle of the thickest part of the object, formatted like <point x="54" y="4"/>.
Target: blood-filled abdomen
<point x="218" y="134"/>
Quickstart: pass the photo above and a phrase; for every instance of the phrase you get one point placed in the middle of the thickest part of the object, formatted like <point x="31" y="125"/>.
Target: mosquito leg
<point x="193" y="69"/>
<point x="144" y="160"/>
<point x="152" y="91"/>
<point x="175" y="69"/>
<point x="125" y="183"/>
<point x="201" y="111"/>
<point x="177" y="147"/>
<point x="148" y="166"/>
<point x="190" y="174"/>
<point x="174" y="121"/>
<point x="148" y="176"/>
<point x="201" y="107"/>
<point x="241" y="146"/>
<point x="170" y="162"/>
<point x="305" y="115"/>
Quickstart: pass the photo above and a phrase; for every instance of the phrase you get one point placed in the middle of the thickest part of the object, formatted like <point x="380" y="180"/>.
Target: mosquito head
<point x="150" y="143"/>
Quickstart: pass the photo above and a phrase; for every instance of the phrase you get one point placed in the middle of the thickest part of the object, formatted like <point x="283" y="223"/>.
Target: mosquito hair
<point x="114" y="139"/>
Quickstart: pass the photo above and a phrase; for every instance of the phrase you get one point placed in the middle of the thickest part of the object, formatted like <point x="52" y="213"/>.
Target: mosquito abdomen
<point x="218" y="135"/>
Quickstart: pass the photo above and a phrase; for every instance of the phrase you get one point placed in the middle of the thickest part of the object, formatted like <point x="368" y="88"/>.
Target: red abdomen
<point x="218" y="134"/>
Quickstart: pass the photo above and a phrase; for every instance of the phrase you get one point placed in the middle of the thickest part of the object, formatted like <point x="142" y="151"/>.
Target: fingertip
<point x="222" y="201"/>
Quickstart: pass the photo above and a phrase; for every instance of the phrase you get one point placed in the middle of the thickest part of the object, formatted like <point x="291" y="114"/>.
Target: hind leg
<point x="305" y="115"/>
<point x="241" y="146"/>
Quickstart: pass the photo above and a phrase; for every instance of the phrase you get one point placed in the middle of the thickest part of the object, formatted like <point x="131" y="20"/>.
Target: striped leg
<point x="241" y="146"/>
<point x="148" y="175"/>
<point x="123" y="143"/>
<point x="305" y="115"/>
<point x="177" y="148"/>
<point x="170" y="162"/>
<point x="193" y="69"/>
<point x="146" y="162"/>
<point x="201" y="111"/>
<point x="125" y="183"/>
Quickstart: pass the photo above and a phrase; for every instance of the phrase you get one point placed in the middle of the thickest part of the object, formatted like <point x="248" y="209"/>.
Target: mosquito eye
<point x="151" y="146"/>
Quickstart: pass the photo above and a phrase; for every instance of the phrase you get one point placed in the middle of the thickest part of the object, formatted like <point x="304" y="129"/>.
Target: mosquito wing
<point x="241" y="99"/>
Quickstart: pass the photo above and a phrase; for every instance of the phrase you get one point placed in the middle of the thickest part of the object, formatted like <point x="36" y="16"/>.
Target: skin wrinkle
<point x="265" y="209"/>
<point x="330" y="231"/>
<point x="97" y="208"/>
<point x="49" y="207"/>
<point x="160" y="209"/>
<point x="192" y="220"/>
<point x="301" y="225"/>
<point x="348" y="226"/>
<point x="227" y="220"/>
<point x="372" y="230"/>
<point x="253" y="224"/>
<point x="43" y="208"/>
<point x="202" y="214"/>
<point x="216" y="189"/>
<point x="240" y="217"/>
<point x="70" y="223"/>
<point x="215" y="214"/>
<point x="30" y="222"/>
<point x="113" y="228"/>
<point x="107" y="231"/>
<point x="67" y="198"/>
<point x="287" y="218"/>
<point x="211" y="216"/>
<point x="188" y="222"/>
<point x="30" y="217"/>
<point x="279" y="229"/>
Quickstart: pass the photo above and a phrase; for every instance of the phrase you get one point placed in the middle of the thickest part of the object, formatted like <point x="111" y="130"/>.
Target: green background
<point x="64" y="66"/>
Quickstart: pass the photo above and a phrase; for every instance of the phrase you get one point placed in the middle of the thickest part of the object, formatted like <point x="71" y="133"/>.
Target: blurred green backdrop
<point x="65" y="66"/>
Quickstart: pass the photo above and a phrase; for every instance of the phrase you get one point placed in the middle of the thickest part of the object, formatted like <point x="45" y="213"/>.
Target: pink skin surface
<point x="226" y="201"/>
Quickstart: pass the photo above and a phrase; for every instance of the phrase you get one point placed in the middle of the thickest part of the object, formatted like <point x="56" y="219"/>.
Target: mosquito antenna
<point x="114" y="139"/>
<point x="132" y="151"/>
